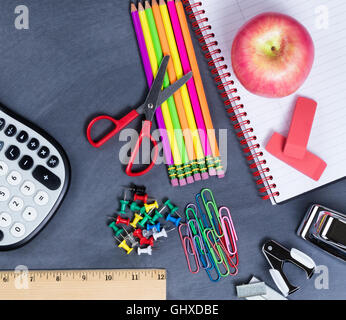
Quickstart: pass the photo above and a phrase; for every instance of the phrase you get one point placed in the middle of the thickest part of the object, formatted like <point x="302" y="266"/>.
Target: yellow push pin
<point x="124" y="246"/>
<point x="149" y="207"/>
<point x="135" y="220"/>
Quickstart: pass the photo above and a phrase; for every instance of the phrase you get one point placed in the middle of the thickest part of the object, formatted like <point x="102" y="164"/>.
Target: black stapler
<point x="277" y="255"/>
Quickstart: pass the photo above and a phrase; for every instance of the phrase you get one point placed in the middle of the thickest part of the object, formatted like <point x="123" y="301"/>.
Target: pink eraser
<point x="197" y="176"/>
<point x="182" y="182"/>
<point x="190" y="180"/>
<point x="174" y="182"/>
<point x="220" y="174"/>
<point x="212" y="171"/>
<point x="301" y="124"/>
<point x="205" y="175"/>
<point x="311" y="165"/>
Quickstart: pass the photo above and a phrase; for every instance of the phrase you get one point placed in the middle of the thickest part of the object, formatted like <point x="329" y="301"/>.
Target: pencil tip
<point x="162" y="2"/>
<point x="140" y="6"/>
<point x="147" y="4"/>
<point x="153" y="3"/>
<point x="133" y="7"/>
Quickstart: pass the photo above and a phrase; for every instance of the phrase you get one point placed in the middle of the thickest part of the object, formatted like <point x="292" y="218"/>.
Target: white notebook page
<point x="326" y="84"/>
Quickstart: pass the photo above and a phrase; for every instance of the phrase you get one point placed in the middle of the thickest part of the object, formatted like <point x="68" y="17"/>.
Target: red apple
<point x="272" y="55"/>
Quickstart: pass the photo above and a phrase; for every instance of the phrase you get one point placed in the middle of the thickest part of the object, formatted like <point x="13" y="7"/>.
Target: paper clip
<point x="186" y="242"/>
<point x="229" y="232"/>
<point x="212" y="211"/>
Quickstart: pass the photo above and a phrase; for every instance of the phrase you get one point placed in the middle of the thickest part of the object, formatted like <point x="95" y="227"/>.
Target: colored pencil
<point x="191" y="86"/>
<point x="200" y="88"/>
<point x="164" y="106"/>
<point x="149" y="76"/>
<point x="170" y="101"/>
<point x="184" y="91"/>
<point x="177" y="96"/>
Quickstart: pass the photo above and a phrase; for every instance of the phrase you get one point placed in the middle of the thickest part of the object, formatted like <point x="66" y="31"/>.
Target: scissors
<point x="153" y="100"/>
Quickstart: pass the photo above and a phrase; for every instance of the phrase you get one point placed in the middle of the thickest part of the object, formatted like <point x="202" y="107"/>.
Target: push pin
<point x="123" y="204"/>
<point x="175" y="221"/>
<point x="161" y="234"/>
<point x="156" y="216"/>
<point x="147" y="233"/>
<point x="134" y="207"/>
<point x="145" y="219"/>
<point x="125" y="246"/>
<point x="130" y="237"/>
<point x="147" y="250"/>
<point x="154" y="226"/>
<point x="121" y="220"/>
<point x="135" y="220"/>
<point x="141" y="197"/>
<point x="113" y="226"/>
<point x="136" y="189"/>
<point x="171" y="206"/>
<point x="142" y="240"/>
<point x="151" y="206"/>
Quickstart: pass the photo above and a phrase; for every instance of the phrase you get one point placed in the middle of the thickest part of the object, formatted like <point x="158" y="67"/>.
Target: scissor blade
<point x="156" y="87"/>
<point x="165" y="94"/>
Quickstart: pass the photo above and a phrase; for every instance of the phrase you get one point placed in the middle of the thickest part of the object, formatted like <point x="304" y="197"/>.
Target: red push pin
<point x="143" y="240"/>
<point x="121" y="220"/>
<point x="141" y="197"/>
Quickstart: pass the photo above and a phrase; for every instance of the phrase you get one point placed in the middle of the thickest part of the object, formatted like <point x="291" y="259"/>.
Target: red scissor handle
<point x="118" y="126"/>
<point x="145" y="133"/>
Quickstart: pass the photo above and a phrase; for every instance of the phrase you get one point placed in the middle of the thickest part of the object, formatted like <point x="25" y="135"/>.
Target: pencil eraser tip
<point x="174" y="182"/>
<point x="189" y="180"/>
<point x="197" y="177"/>
<point x="182" y="182"/>
<point x="221" y="174"/>
<point x="212" y="171"/>
<point x="205" y="175"/>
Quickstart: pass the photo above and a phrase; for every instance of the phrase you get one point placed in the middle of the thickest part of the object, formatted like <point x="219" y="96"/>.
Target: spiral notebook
<point x="256" y="118"/>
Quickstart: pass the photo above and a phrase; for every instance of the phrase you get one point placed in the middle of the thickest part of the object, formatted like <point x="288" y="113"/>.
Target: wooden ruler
<point x="112" y="284"/>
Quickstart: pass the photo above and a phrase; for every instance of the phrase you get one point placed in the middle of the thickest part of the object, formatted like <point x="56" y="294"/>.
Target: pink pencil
<point x="191" y="85"/>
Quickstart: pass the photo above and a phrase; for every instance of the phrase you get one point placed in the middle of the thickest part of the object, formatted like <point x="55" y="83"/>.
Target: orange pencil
<point x="199" y="86"/>
<point x="177" y="95"/>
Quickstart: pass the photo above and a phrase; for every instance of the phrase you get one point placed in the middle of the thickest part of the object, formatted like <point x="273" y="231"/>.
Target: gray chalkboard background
<point x="80" y="58"/>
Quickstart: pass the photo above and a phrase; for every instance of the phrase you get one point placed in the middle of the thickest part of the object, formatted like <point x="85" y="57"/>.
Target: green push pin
<point x="113" y="226"/>
<point x="156" y="216"/>
<point x="123" y="204"/>
<point x="145" y="219"/>
<point x="171" y="206"/>
<point x="134" y="207"/>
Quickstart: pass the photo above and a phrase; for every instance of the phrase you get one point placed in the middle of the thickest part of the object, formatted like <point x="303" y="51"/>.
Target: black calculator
<point x="34" y="179"/>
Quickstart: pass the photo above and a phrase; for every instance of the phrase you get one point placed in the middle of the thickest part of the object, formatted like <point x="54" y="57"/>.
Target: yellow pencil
<point x="164" y="106"/>
<point x="184" y="91"/>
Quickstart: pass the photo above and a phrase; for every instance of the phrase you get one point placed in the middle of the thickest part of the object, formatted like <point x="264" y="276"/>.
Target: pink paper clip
<point x="187" y="242"/>
<point x="229" y="232"/>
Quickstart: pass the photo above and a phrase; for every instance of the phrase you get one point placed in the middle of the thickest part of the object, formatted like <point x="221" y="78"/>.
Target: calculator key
<point x="43" y="152"/>
<point x="26" y="163"/>
<point x="18" y="230"/>
<point x="27" y="188"/>
<point x="29" y="214"/>
<point x="33" y="144"/>
<point x="22" y="136"/>
<point x="46" y="177"/>
<point x="53" y="162"/>
<point x="4" y="194"/>
<point x="16" y="204"/>
<point x="11" y="130"/>
<point x="14" y="178"/>
<point x="41" y="198"/>
<point x="12" y="153"/>
<point x="2" y="123"/>
<point x="5" y="219"/>
<point x="3" y="168"/>
<point x="1" y="145"/>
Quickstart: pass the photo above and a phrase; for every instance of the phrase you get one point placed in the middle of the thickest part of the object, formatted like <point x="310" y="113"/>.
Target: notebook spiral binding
<point x="233" y="106"/>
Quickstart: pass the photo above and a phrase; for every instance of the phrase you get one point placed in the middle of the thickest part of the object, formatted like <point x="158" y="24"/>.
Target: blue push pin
<point x="175" y="221"/>
<point x="156" y="226"/>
